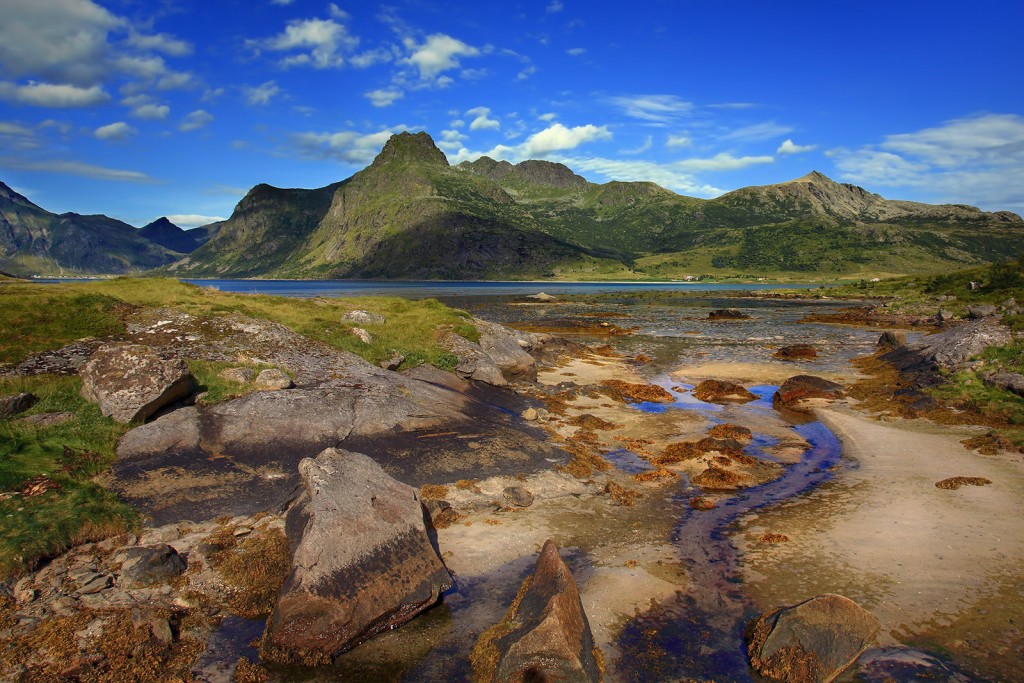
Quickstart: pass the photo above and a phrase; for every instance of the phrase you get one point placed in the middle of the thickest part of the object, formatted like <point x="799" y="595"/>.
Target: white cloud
<point x="336" y="12"/>
<point x="348" y="147"/>
<point x="558" y="137"/>
<point x="451" y="140"/>
<point x="76" y="168"/>
<point x="60" y="40"/>
<point x="653" y="108"/>
<point x="144" y="67"/>
<point x="481" y="120"/>
<point x="160" y="42"/>
<point x="674" y="141"/>
<point x="363" y="60"/>
<point x="282" y="3"/>
<point x="645" y="171"/>
<point x="439" y="53"/>
<point x="648" y="143"/>
<point x="152" y="112"/>
<point x="59" y="96"/>
<point x="114" y="131"/>
<point x="721" y="162"/>
<point x="384" y="97"/>
<point x="319" y="43"/>
<point x="555" y="6"/>
<point x="526" y="73"/>
<point x="766" y="130"/>
<point x="576" y="51"/>
<point x="193" y="220"/>
<point x="550" y="116"/>
<point x="787" y="147"/>
<point x="195" y="120"/>
<point x="261" y="94"/>
<point x="17" y="136"/>
<point x="975" y="160"/>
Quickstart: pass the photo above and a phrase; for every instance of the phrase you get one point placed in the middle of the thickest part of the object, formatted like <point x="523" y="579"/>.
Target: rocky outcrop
<point x="361" y="317"/>
<point x="727" y="314"/>
<point x="506" y="348"/>
<point x="812" y="642"/>
<point x="803" y="387"/>
<point x="796" y="352"/>
<point x="362" y="562"/>
<point x="130" y="382"/>
<point x="720" y="391"/>
<point x="145" y="565"/>
<point x="16" y="403"/>
<point x="891" y="339"/>
<point x="544" y="636"/>
<point x="1007" y="381"/>
<point x="949" y="350"/>
<point x="473" y="362"/>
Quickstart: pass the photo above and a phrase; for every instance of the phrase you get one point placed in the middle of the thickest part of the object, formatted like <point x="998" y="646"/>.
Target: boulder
<point x="796" y="352"/>
<point x="507" y="349"/>
<point x="544" y="636"/>
<point x="891" y="339"/>
<point x="393" y="362"/>
<point x="951" y="349"/>
<point x="727" y="314"/>
<point x="130" y="382"/>
<point x="473" y="362"/>
<point x="362" y="562"/>
<point x="16" y="403"/>
<point x="237" y="375"/>
<point x="542" y="296"/>
<point x="362" y="335"/>
<point x="361" y="317"/>
<point x="146" y="565"/>
<point x="273" y="379"/>
<point x="1007" y="381"/>
<point x="812" y="642"/>
<point x="979" y="311"/>
<point x="719" y="391"/>
<point x="802" y="387"/>
<point x="518" y="496"/>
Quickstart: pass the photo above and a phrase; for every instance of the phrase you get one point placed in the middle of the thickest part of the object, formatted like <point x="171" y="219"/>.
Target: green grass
<point x="966" y="389"/>
<point x="34" y="318"/>
<point x="69" y="455"/>
<point x="215" y="387"/>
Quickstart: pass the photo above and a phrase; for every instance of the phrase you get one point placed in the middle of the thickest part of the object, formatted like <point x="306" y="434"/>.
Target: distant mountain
<point x="36" y="241"/>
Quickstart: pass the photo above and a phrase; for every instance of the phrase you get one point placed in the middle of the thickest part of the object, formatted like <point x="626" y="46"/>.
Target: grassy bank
<point x="49" y="500"/>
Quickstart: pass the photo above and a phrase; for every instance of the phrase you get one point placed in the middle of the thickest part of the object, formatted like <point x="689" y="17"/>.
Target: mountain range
<point x="410" y="214"/>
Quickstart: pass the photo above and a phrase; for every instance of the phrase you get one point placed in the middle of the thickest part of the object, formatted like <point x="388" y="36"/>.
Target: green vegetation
<point x="49" y="501"/>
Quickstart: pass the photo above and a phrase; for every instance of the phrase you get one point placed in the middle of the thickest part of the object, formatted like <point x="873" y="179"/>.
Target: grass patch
<point x="217" y="388"/>
<point x="967" y="391"/>
<point x="49" y="501"/>
<point x="36" y="318"/>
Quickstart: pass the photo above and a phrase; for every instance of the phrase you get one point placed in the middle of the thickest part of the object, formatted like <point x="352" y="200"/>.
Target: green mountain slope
<point x="34" y="240"/>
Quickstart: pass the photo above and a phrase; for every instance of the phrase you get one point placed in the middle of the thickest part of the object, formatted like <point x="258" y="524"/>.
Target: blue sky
<point x="144" y="108"/>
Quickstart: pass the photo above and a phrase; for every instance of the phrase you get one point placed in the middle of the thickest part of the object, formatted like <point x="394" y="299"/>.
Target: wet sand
<point x="937" y="567"/>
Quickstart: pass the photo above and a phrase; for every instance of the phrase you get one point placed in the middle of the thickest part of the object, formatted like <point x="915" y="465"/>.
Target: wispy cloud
<point x="653" y="108"/>
<point x="58" y="96"/>
<point x="76" y="168"/>
<point x="554" y="6"/>
<point x="193" y="220"/>
<point x="765" y="130"/>
<point x="195" y="120"/>
<point x="647" y="145"/>
<point x="114" y="131"/>
<point x="384" y="97"/>
<point x="721" y="162"/>
<point x="346" y="146"/>
<point x="261" y="94"/>
<point x="576" y="51"/>
<point x="632" y="170"/>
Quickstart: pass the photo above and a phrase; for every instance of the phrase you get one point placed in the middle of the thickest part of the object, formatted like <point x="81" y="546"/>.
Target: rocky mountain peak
<point x="815" y="177"/>
<point x="548" y="173"/>
<point x="10" y="195"/>
<point x="410" y="147"/>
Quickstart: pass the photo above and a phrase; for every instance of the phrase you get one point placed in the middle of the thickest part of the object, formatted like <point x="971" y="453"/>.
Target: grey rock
<point x="47" y="419"/>
<point x="815" y="640"/>
<point x="473" y="362"/>
<point x="506" y="348"/>
<point x="944" y="316"/>
<point x="393" y="362"/>
<point x="24" y="591"/>
<point x="979" y="311"/>
<point x="146" y="565"/>
<point x="130" y="382"/>
<point x="1007" y="381"/>
<point x="238" y="375"/>
<point x="361" y="317"/>
<point x="63" y="361"/>
<point x="518" y="496"/>
<point x="951" y="349"/>
<point x="1010" y="303"/>
<point x="892" y="339"/>
<point x="362" y="335"/>
<point x="93" y="582"/>
<point x="273" y="379"/>
<point x="16" y="403"/>
<point x="362" y="560"/>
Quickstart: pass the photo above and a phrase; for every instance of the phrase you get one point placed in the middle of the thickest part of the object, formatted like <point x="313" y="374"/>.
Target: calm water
<point x="423" y="289"/>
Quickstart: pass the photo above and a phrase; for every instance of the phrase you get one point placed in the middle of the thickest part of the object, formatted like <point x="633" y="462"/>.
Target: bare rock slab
<point x="545" y="635"/>
<point x="812" y="642"/>
<point x="130" y="382"/>
<point x="362" y="562"/>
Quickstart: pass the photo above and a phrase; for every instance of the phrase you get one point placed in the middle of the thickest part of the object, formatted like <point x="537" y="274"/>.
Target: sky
<point x="145" y="108"/>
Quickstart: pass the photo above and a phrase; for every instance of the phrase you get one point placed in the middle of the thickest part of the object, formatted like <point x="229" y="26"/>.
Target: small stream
<point x="699" y="634"/>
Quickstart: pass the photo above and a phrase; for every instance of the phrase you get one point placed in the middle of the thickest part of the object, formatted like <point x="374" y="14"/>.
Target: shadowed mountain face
<point x="33" y="240"/>
<point x="411" y="215"/>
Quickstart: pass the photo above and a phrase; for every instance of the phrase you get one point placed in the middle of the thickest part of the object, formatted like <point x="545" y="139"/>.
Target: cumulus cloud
<point x="384" y="97"/>
<point x="60" y="40"/>
<point x="195" y="120"/>
<point x="559" y="137"/>
<point x="437" y="54"/>
<point x="76" y="168"/>
<point x="193" y="220"/>
<point x="151" y="112"/>
<point x="347" y="146"/>
<point x="674" y="141"/>
<point x="261" y="94"/>
<point x="787" y="147"/>
<point x="319" y="43"/>
<point x="60" y="96"/>
<point x="658" y="109"/>
<point x="159" y="42"/>
<point x="481" y="120"/>
<point x="974" y="160"/>
<point x="114" y="131"/>
<point x="633" y="170"/>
